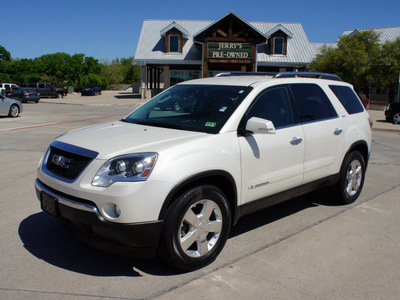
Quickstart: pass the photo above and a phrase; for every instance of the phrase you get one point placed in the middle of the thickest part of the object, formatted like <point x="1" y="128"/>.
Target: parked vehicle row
<point x="47" y="90"/>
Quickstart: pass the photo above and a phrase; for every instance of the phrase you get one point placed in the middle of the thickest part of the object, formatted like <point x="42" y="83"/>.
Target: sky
<point x="108" y="29"/>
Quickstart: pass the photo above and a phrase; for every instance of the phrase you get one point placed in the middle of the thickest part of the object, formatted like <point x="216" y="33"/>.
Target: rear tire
<point x="196" y="228"/>
<point x="396" y="118"/>
<point x="352" y="177"/>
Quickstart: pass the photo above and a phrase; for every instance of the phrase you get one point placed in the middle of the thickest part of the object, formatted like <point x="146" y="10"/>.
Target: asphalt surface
<point x="306" y="248"/>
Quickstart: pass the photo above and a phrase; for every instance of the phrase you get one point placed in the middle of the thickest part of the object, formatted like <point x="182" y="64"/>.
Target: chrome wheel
<point x="196" y="227"/>
<point x="396" y="118"/>
<point x="14" y="111"/>
<point x="200" y="228"/>
<point x="353" y="178"/>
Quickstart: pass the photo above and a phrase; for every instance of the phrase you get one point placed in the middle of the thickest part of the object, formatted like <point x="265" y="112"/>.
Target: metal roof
<point x="385" y="33"/>
<point x="151" y="45"/>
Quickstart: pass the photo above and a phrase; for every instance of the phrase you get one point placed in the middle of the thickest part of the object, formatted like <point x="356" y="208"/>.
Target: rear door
<point x="272" y="163"/>
<point x="323" y="131"/>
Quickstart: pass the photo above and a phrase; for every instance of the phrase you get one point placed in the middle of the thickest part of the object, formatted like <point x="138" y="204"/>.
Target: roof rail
<point x="308" y="74"/>
<point x="226" y="74"/>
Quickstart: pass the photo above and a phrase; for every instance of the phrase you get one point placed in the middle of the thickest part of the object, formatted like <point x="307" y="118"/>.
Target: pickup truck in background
<point x="47" y="90"/>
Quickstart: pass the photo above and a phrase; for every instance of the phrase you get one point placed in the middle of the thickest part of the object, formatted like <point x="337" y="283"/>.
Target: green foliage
<point x="361" y="59"/>
<point x="62" y="69"/>
<point x="121" y="71"/>
<point x="354" y="58"/>
<point x="94" y="79"/>
<point x="4" y="54"/>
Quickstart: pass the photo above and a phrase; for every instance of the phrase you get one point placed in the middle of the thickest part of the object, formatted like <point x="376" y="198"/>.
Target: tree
<point x="4" y="54"/>
<point x="389" y="67"/>
<point x="354" y="59"/>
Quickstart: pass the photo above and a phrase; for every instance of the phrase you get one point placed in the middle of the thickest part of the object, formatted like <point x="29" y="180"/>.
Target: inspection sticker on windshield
<point x="211" y="124"/>
<point x="223" y="109"/>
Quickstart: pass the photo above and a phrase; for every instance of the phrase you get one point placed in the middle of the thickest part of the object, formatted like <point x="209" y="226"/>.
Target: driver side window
<point x="273" y="104"/>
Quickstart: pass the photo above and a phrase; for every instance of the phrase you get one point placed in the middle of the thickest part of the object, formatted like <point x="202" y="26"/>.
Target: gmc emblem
<point x="60" y="161"/>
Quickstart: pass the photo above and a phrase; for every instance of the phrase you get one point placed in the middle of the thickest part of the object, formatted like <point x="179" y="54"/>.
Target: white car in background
<point x="172" y="182"/>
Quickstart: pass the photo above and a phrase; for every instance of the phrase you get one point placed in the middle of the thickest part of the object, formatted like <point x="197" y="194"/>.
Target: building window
<point x="278" y="45"/>
<point x="174" y="43"/>
<point x="177" y="76"/>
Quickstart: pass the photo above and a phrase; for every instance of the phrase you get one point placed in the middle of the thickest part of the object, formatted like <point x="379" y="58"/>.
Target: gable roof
<point x="164" y="31"/>
<point x="151" y="46"/>
<point x="235" y="16"/>
<point x="277" y="28"/>
<point x="385" y="33"/>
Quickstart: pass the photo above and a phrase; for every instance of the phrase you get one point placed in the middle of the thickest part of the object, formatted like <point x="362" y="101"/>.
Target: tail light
<point x="38" y="94"/>
<point x="26" y="94"/>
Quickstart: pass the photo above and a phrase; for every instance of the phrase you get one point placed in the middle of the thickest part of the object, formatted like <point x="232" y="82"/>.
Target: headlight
<point x="132" y="167"/>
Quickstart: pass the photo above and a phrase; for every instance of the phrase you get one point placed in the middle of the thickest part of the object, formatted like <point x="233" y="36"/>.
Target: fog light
<point x="117" y="210"/>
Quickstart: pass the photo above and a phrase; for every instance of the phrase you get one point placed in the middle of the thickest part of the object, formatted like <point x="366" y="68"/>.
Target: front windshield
<point x="203" y="108"/>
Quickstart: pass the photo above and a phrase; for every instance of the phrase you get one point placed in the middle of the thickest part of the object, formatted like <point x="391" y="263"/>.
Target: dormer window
<point x="278" y="45"/>
<point x="174" y="43"/>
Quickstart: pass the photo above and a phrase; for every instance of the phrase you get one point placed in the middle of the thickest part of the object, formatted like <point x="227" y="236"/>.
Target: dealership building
<point x="171" y="51"/>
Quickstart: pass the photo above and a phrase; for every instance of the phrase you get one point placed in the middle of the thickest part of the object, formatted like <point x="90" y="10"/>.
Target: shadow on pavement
<point x="46" y="239"/>
<point x="127" y="96"/>
<point x="283" y="210"/>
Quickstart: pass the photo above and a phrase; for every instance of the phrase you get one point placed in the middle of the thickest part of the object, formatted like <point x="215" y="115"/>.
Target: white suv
<point x="176" y="174"/>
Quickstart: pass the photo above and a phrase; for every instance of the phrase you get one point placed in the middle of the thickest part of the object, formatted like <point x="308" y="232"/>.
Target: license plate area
<point x="49" y="204"/>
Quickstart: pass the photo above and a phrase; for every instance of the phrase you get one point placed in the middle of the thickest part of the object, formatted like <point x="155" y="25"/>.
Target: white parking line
<point x="52" y="124"/>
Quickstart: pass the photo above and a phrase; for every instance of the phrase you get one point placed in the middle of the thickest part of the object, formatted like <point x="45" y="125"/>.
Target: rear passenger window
<point x="312" y="103"/>
<point x="348" y="98"/>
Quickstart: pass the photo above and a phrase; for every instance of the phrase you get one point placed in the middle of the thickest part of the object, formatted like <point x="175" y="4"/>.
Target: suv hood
<point x="118" y="138"/>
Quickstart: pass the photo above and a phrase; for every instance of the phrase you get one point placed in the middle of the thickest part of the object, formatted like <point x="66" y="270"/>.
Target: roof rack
<point x="226" y="74"/>
<point x="308" y="74"/>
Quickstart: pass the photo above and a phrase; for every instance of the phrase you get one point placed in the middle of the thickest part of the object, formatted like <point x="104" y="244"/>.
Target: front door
<point x="272" y="162"/>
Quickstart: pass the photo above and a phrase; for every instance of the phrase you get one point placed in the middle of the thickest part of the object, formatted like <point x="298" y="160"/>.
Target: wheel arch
<point x="219" y="178"/>
<point x="360" y="146"/>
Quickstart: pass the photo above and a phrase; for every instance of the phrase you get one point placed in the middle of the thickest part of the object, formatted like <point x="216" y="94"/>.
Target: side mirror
<point x="258" y="125"/>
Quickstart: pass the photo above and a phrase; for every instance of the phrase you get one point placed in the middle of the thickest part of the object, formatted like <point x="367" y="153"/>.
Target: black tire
<point x="188" y="246"/>
<point x="352" y="177"/>
<point x="14" y="111"/>
<point x="396" y="117"/>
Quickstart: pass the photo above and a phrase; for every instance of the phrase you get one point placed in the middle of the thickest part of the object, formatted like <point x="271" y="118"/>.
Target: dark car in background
<point x="25" y="95"/>
<point x="392" y="113"/>
<point x="91" y="90"/>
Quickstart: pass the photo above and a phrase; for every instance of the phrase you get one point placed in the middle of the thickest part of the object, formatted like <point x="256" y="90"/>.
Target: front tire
<point x="14" y="111"/>
<point x="352" y="177"/>
<point x="196" y="228"/>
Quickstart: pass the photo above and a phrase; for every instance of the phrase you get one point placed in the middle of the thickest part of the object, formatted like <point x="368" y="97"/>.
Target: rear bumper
<point x="82" y="216"/>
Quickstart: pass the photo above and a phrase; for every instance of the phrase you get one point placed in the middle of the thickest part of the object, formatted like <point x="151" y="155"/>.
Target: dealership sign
<point x="230" y="50"/>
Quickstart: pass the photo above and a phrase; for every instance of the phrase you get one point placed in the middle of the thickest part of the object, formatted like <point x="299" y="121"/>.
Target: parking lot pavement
<point x="307" y="248"/>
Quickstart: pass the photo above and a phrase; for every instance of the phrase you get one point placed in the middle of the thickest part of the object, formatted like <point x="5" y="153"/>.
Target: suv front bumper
<point x="83" y="217"/>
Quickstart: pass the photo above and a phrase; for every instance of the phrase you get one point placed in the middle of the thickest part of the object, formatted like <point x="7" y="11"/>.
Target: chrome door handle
<point x="296" y="141"/>
<point x="337" y="131"/>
